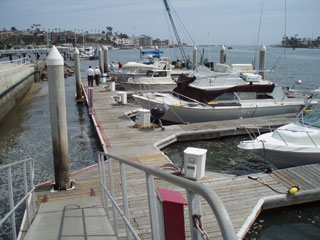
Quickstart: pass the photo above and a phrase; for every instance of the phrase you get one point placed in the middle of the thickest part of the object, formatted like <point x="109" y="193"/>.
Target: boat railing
<point x="27" y="200"/>
<point x="256" y="130"/>
<point x="193" y="190"/>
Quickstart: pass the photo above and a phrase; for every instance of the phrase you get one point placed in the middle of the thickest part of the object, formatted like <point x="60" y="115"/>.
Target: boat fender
<point x="130" y="79"/>
<point x="293" y="190"/>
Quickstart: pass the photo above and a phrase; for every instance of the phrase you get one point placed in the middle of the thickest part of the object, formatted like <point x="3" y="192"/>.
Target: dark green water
<point x="301" y="222"/>
<point x="222" y="155"/>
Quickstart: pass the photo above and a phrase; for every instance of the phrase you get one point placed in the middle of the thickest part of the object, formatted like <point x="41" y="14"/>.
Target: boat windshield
<point x="312" y="119"/>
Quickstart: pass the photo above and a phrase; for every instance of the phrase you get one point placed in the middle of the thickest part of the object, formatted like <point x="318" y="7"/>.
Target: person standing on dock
<point x="90" y="73"/>
<point x="97" y="75"/>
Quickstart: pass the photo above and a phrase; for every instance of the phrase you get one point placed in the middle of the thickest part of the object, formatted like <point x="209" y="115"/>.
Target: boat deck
<point x="119" y="137"/>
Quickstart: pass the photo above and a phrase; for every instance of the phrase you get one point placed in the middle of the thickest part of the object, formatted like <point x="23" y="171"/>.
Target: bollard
<point x="112" y="86"/>
<point x="123" y="97"/>
<point x="77" y="73"/>
<point x="262" y="60"/>
<point x="194" y="58"/>
<point x="100" y="59"/>
<point x="106" y="59"/>
<point x="58" y="117"/>
<point x="222" y="54"/>
<point x="90" y="95"/>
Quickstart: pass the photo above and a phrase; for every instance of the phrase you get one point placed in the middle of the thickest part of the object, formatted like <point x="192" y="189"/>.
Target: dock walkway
<point x="120" y="138"/>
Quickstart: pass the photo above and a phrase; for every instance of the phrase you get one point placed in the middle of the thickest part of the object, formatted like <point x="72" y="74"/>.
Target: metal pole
<point x="262" y="60"/>
<point x="77" y="73"/>
<point x="106" y="59"/>
<point x="11" y="202"/>
<point x="222" y="54"/>
<point x="194" y="58"/>
<point x="58" y="117"/>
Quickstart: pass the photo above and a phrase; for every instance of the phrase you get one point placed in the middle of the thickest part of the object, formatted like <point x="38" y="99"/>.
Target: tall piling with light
<point x="77" y="73"/>
<point x="100" y="59"/>
<point x="58" y="117"/>
<point x="194" y="58"/>
<point x="222" y="54"/>
<point x="262" y="61"/>
<point x="106" y="59"/>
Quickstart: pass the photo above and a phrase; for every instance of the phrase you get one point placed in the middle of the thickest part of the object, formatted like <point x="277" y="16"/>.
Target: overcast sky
<point x="207" y="21"/>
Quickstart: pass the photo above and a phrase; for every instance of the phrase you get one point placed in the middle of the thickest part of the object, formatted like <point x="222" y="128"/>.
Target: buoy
<point x="293" y="190"/>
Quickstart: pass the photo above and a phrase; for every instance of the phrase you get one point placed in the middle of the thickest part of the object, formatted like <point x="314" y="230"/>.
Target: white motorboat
<point x="152" y="80"/>
<point x="212" y="96"/>
<point x="291" y="145"/>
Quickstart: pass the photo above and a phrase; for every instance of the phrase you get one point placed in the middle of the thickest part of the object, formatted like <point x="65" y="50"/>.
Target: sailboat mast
<point x="175" y="31"/>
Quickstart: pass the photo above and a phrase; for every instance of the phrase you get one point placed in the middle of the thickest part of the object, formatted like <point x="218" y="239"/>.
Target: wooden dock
<point x="120" y="138"/>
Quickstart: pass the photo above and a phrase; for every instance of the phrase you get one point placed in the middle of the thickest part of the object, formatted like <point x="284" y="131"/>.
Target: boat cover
<point x="185" y="92"/>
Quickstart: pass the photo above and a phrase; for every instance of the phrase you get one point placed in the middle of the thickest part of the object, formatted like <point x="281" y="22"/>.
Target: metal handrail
<point x="28" y="194"/>
<point x="194" y="191"/>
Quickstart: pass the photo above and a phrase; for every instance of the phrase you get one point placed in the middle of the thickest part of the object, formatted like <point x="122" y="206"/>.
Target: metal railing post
<point x="25" y="180"/>
<point x="194" y="209"/>
<point x="124" y="196"/>
<point x="113" y="196"/>
<point x="152" y="207"/>
<point x="11" y="202"/>
<point x="33" y="200"/>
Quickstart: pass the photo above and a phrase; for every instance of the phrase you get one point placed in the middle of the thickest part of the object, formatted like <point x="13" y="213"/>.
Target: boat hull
<point x="182" y="114"/>
<point x="148" y="87"/>
<point x="286" y="159"/>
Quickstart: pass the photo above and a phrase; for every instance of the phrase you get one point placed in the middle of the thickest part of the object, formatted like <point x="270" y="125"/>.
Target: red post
<point x="172" y="203"/>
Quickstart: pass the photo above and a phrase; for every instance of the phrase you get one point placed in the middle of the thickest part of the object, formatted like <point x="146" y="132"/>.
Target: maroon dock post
<point x="171" y="211"/>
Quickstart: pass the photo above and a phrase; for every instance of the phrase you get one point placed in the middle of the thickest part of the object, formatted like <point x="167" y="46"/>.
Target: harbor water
<point x="26" y="131"/>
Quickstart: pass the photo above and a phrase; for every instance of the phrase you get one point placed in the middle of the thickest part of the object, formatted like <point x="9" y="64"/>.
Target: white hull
<point x="285" y="159"/>
<point x="183" y="114"/>
<point x="152" y="87"/>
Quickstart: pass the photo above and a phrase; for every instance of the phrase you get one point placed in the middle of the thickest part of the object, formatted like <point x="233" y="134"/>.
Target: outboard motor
<point x="157" y="113"/>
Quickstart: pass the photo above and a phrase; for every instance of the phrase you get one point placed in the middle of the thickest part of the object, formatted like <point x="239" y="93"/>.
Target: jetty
<point x="79" y="212"/>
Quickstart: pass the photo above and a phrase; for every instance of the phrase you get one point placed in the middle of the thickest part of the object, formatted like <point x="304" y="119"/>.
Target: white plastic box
<point x="194" y="163"/>
<point x="143" y="118"/>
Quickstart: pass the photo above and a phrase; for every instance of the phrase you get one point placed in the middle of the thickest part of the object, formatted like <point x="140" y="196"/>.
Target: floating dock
<point x="242" y="196"/>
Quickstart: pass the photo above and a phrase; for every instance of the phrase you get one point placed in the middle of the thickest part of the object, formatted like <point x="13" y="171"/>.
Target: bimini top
<point x="152" y="52"/>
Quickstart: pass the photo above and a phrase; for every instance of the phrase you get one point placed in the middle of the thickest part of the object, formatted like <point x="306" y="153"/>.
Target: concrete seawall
<point x="12" y="95"/>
